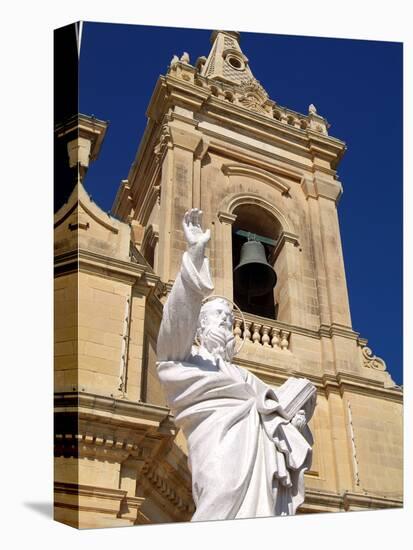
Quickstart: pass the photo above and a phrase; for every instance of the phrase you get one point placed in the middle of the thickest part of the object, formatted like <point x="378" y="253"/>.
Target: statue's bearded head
<point x="215" y="328"/>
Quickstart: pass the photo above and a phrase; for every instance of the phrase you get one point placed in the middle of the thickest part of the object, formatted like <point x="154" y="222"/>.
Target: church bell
<point x="253" y="275"/>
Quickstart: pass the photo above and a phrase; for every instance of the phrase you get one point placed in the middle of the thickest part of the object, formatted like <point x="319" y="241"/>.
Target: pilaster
<point x="226" y="281"/>
<point x="180" y="186"/>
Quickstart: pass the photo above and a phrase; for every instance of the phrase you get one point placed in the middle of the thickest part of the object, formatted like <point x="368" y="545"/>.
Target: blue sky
<point x="356" y="84"/>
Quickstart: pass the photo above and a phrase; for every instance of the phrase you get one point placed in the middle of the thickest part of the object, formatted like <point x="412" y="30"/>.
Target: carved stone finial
<point x="200" y="62"/>
<point x="185" y="57"/>
<point x="174" y="61"/>
<point x="312" y="109"/>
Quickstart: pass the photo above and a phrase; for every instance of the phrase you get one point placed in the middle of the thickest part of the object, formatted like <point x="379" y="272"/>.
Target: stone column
<point x="336" y="277"/>
<point x="328" y="192"/>
<point x="318" y="253"/>
<point x="166" y="209"/>
<point x="185" y="141"/>
<point x="340" y="441"/>
<point x="287" y="289"/>
<point x="226" y="278"/>
<point x="135" y="351"/>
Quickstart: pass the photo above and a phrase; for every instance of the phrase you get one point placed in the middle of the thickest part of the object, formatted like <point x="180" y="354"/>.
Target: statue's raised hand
<point x="195" y="236"/>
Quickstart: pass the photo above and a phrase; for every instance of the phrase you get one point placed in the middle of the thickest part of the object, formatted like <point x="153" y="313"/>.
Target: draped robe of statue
<point x="245" y="458"/>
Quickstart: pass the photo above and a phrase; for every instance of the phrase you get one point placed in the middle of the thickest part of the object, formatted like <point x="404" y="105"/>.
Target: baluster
<point x="284" y="339"/>
<point x="275" y="338"/>
<point x="284" y="118"/>
<point x="247" y="332"/>
<point x="265" y="336"/>
<point x="256" y="337"/>
<point x="237" y="329"/>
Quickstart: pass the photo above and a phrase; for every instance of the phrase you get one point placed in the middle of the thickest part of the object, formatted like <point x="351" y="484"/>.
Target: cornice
<point x="317" y="187"/>
<point x="307" y="142"/>
<point x="231" y="169"/>
<point x="221" y="144"/>
<point x="128" y="411"/>
<point x="235" y="150"/>
<point x="263" y="131"/>
<point x="312" y="142"/>
<point x="66" y="263"/>
<point x="335" y="329"/>
<point x="85" y="126"/>
<point x="114" y="268"/>
<point x="361" y="385"/>
<point x="226" y="217"/>
<point x="90" y="498"/>
<point x="85" y="261"/>
<point x="119" y="430"/>
<point x="92" y="262"/>
<point x="326" y="147"/>
<point x="348" y="501"/>
<point x="340" y="383"/>
<point x="324" y="499"/>
<point x="185" y="92"/>
<point x="370" y="501"/>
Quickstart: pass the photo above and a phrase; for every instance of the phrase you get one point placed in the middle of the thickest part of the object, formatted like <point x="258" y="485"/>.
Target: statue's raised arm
<point x="192" y="284"/>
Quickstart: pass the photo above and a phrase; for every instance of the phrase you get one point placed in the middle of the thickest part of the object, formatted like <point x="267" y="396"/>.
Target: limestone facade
<point x="215" y="141"/>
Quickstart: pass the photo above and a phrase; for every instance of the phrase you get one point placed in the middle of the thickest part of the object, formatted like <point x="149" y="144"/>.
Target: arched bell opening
<point x="254" y="237"/>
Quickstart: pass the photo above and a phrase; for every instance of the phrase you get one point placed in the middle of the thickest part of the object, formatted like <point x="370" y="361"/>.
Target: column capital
<point x="226" y="217"/>
<point x="184" y="137"/>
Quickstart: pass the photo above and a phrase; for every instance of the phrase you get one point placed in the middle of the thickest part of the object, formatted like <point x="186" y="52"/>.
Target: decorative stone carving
<point x="253" y="96"/>
<point x="164" y="139"/>
<point x="372" y="361"/>
<point x="174" y="61"/>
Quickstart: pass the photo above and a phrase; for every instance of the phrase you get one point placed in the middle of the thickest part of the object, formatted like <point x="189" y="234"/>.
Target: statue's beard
<point x="219" y="341"/>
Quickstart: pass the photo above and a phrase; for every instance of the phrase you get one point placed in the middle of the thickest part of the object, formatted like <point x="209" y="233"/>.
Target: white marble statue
<point x="249" y="444"/>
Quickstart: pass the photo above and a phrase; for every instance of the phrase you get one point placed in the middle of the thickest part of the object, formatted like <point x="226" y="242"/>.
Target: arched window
<point x="253" y="221"/>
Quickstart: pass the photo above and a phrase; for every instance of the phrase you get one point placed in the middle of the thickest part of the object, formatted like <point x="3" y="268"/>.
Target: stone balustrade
<point x="251" y="95"/>
<point x="266" y="333"/>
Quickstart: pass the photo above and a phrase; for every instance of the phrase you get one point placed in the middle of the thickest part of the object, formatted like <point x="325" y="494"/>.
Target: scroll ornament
<point x="372" y="361"/>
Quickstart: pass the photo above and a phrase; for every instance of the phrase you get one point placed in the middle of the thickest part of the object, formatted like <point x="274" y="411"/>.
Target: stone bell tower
<point x="215" y="140"/>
